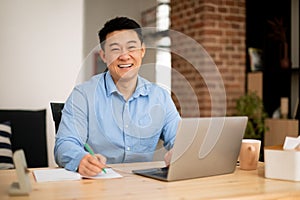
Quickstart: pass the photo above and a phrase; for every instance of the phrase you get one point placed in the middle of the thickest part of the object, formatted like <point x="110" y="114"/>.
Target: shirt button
<point x="128" y="148"/>
<point x="126" y="126"/>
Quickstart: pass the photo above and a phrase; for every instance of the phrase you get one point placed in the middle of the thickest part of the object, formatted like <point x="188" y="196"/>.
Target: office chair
<point x="56" y="109"/>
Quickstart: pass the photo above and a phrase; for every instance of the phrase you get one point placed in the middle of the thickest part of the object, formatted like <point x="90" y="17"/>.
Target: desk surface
<point x="239" y="185"/>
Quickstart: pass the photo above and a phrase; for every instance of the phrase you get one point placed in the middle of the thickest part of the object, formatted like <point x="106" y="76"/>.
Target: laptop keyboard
<point x="161" y="172"/>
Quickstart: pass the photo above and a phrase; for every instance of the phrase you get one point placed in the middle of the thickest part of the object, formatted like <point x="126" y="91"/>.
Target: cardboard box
<point x="282" y="164"/>
<point x="279" y="129"/>
<point x="255" y="83"/>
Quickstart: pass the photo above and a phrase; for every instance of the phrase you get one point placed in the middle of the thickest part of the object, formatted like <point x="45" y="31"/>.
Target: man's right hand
<point x="91" y="165"/>
<point x="168" y="157"/>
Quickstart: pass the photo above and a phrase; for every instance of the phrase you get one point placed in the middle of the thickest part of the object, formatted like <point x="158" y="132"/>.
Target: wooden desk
<point x="239" y="185"/>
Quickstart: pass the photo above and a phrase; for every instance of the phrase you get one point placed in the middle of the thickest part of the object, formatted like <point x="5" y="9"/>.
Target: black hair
<point x="116" y="24"/>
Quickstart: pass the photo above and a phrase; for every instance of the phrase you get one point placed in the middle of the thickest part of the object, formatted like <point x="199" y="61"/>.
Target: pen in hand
<point x="90" y="150"/>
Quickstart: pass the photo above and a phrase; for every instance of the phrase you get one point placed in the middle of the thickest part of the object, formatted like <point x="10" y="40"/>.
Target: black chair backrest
<point x="56" y="109"/>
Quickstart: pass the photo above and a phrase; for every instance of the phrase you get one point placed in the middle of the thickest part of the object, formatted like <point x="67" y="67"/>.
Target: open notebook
<point x="61" y="174"/>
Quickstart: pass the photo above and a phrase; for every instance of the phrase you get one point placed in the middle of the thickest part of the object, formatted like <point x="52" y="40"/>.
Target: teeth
<point x="125" y="65"/>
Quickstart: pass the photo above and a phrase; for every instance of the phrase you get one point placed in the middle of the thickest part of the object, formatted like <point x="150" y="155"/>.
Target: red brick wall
<point x="219" y="27"/>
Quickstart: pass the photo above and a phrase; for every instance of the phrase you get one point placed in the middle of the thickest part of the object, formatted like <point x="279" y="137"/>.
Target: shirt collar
<point x="109" y="84"/>
<point x="143" y="86"/>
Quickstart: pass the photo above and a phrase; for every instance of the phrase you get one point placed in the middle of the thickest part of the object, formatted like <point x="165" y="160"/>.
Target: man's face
<point x="123" y="53"/>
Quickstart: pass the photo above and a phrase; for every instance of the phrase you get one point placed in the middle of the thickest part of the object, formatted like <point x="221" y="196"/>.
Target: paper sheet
<point x="60" y="174"/>
<point x="110" y="173"/>
<point x="291" y="143"/>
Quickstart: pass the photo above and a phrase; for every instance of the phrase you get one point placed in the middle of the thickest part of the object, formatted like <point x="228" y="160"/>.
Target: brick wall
<point x="207" y="85"/>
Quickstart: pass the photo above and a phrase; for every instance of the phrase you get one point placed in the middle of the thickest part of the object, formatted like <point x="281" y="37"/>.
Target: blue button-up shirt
<point x="123" y="131"/>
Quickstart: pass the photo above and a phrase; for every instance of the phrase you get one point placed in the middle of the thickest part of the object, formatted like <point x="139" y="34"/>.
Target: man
<point x="120" y="115"/>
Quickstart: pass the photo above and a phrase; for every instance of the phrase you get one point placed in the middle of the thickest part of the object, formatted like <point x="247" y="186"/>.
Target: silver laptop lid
<point x="206" y="147"/>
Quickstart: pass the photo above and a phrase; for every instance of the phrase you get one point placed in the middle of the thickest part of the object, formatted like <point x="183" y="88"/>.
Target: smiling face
<point x="123" y="53"/>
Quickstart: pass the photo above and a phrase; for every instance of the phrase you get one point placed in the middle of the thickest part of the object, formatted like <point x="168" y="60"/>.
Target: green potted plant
<point x="251" y="105"/>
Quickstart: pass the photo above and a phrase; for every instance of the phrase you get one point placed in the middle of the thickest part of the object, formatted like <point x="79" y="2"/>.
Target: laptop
<point x="203" y="147"/>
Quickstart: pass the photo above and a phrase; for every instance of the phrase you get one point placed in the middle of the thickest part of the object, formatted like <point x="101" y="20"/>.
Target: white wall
<point x="45" y="43"/>
<point x="40" y="54"/>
